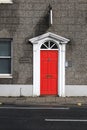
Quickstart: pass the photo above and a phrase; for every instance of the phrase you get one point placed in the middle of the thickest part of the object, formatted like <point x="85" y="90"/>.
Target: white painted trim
<point x="27" y="90"/>
<point x="37" y="42"/>
<point x="49" y="35"/>
<point x="16" y="90"/>
<point x="6" y="57"/>
<point x="6" y="1"/>
<point x="36" y="71"/>
<point x="76" y="90"/>
<point x="5" y="75"/>
<point x="62" y="64"/>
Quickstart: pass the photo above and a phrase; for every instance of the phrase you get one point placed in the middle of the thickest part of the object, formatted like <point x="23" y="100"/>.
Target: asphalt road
<point x="43" y="118"/>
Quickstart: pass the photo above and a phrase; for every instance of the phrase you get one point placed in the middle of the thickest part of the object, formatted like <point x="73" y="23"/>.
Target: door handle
<point x="48" y="76"/>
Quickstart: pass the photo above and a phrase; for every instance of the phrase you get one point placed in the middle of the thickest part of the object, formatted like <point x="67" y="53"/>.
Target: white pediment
<point x="61" y="39"/>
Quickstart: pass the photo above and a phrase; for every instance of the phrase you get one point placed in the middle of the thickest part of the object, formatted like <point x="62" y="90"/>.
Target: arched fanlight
<point x="49" y="45"/>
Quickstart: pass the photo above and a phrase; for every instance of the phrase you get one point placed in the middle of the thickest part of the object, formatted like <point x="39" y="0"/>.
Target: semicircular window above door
<point x="49" y="45"/>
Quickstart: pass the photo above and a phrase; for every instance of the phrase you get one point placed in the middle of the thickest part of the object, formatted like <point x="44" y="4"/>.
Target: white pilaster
<point x="63" y="71"/>
<point x="36" y="71"/>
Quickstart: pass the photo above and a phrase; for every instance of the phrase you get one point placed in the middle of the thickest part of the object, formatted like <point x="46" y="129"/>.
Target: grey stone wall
<point x="25" y="19"/>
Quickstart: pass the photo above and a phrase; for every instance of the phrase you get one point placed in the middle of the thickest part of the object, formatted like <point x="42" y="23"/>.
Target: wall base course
<point x="68" y="101"/>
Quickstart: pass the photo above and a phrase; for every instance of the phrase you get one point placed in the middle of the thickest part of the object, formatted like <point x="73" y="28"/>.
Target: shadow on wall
<point x="42" y="25"/>
<point x="9" y="19"/>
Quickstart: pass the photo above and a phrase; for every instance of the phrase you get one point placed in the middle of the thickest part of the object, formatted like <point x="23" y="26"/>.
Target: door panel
<point x="49" y="72"/>
<point x="52" y="67"/>
<point x="44" y="67"/>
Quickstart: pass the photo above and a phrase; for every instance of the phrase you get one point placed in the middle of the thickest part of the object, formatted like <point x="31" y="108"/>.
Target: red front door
<point x="49" y="72"/>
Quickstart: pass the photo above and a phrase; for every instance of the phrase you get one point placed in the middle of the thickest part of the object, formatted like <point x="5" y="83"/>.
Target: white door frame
<point x="37" y="42"/>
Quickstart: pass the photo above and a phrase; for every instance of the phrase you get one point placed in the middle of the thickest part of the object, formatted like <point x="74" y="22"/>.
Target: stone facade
<point x="25" y="19"/>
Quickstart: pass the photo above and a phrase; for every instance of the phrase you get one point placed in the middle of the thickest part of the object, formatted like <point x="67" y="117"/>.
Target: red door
<point x="49" y="72"/>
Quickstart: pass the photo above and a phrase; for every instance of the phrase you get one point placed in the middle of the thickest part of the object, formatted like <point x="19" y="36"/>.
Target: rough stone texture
<point x="25" y="19"/>
<point x="49" y="102"/>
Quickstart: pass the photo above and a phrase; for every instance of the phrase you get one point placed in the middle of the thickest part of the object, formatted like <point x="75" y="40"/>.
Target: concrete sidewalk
<point x="48" y="100"/>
